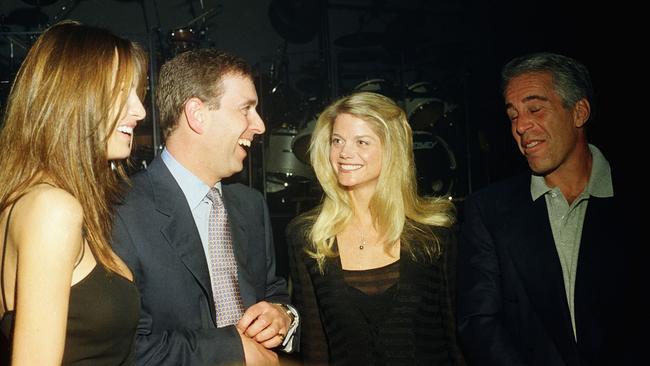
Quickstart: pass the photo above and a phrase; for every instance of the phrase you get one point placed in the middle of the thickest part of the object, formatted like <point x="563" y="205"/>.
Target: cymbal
<point x="359" y="40"/>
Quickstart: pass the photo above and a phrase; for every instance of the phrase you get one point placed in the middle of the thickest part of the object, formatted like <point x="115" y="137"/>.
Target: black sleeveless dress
<point x="102" y="318"/>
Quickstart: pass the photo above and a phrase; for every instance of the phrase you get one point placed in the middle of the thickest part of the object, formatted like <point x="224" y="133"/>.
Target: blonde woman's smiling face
<point x="355" y="152"/>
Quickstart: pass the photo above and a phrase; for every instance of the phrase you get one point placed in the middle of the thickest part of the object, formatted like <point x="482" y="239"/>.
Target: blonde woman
<point x="369" y="264"/>
<point x="66" y="297"/>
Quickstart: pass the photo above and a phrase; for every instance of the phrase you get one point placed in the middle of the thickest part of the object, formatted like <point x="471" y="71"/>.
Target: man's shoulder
<point x="507" y="187"/>
<point x="501" y="195"/>
<point x="139" y="185"/>
<point x="139" y="191"/>
<point x="241" y="190"/>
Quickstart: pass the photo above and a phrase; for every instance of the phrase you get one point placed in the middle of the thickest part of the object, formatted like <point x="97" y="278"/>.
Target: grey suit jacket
<point x="155" y="234"/>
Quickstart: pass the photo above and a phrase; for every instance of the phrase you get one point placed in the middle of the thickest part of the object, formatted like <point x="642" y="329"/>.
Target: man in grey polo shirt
<point x="542" y="264"/>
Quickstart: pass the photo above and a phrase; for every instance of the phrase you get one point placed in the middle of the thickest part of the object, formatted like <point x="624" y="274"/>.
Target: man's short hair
<point x="196" y="73"/>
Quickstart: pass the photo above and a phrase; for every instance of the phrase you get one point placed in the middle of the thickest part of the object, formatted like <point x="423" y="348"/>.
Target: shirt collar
<point x="193" y="188"/>
<point x="600" y="179"/>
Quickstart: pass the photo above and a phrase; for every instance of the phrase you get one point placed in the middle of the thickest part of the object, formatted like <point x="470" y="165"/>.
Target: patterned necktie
<point x="222" y="263"/>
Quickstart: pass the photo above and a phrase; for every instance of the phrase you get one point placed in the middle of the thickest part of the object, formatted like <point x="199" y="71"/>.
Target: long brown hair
<point x="61" y="110"/>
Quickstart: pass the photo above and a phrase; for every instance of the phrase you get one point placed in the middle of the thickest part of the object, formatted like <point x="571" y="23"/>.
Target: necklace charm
<point x="364" y="242"/>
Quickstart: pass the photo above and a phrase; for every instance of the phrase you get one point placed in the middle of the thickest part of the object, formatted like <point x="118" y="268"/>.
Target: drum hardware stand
<point x="10" y="36"/>
<point x="184" y="36"/>
<point x="201" y="16"/>
<point x="13" y="40"/>
<point x="157" y="144"/>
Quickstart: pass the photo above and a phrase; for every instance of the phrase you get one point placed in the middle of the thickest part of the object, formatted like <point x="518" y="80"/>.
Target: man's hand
<point x="266" y="323"/>
<point x="255" y="354"/>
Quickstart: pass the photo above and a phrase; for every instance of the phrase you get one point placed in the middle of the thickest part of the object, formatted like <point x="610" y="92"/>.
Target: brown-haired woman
<point x="370" y="264"/>
<point x="66" y="297"/>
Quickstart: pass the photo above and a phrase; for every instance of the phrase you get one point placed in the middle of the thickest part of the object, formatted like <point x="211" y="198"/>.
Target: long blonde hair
<point x="398" y="211"/>
<point x="61" y="110"/>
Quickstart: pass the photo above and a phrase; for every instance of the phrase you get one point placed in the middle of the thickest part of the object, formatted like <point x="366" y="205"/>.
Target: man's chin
<point x="235" y="169"/>
<point x="538" y="169"/>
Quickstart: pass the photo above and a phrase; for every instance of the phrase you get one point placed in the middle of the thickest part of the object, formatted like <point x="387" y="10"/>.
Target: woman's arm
<point x="46" y="228"/>
<point x="313" y="344"/>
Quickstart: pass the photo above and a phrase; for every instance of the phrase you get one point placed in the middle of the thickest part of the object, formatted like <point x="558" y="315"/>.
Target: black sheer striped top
<point x="400" y="314"/>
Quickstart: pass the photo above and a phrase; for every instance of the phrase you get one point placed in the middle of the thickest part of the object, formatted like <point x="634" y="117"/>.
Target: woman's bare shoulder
<point x="46" y="212"/>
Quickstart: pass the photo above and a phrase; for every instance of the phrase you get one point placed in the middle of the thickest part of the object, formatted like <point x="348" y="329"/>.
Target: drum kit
<point x="187" y="37"/>
<point x="290" y="179"/>
<point x="283" y="163"/>
<point x="289" y="173"/>
<point x="431" y="120"/>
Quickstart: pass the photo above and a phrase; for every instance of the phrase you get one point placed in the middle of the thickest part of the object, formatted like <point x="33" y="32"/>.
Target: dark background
<point x="443" y="56"/>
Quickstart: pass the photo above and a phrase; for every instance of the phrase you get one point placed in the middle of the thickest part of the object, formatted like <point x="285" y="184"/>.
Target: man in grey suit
<point x="207" y="104"/>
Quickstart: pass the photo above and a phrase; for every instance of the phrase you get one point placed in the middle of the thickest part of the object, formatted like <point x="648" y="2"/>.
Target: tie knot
<point x="215" y="196"/>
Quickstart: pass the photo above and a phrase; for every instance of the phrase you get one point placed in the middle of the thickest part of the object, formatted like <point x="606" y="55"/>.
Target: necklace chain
<point x="364" y="242"/>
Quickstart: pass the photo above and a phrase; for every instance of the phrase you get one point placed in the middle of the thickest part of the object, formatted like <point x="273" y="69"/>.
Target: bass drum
<point x="281" y="163"/>
<point x="435" y="164"/>
<point x="423" y="109"/>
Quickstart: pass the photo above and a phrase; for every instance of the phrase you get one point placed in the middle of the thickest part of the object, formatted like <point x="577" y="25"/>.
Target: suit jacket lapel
<point x="599" y="267"/>
<point x="535" y="257"/>
<point x="180" y="229"/>
<point x="237" y="219"/>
